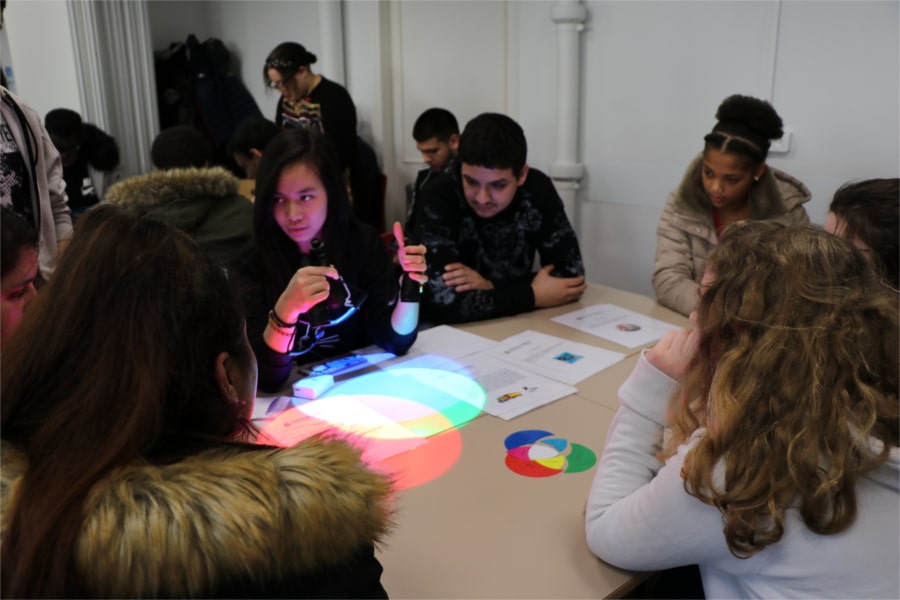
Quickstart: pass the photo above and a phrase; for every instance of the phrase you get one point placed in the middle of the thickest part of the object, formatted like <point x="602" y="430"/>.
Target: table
<point x="479" y="530"/>
<point x="482" y="531"/>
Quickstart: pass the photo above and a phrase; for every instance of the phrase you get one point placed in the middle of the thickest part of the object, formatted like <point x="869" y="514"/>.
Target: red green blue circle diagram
<point x="538" y="453"/>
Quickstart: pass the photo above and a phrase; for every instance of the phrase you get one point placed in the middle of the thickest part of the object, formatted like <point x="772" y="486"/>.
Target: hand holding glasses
<point x="308" y="287"/>
<point x="316" y="297"/>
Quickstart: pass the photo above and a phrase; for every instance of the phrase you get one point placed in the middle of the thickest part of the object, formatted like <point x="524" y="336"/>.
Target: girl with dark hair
<point x="124" y="473"/>
<point x="728" y="182"/>
<point x="20" y="269"/>
<point x="780" y="479"/>
<point x="868" y="214"/>
<point x="308" y="306"/>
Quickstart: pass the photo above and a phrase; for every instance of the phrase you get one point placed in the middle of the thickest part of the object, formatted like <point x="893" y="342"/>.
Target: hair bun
<point x="290" y="56"/>
<point x="753" y="113"/>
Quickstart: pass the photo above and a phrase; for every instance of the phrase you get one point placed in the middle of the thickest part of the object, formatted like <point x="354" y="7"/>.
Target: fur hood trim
<point x="163" y="187"/>
<point x="224" y="515"/>
<point x="774" y="194"/>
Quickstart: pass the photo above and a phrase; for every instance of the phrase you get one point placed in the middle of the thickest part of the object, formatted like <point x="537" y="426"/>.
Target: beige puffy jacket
<point x="687" y="233"/>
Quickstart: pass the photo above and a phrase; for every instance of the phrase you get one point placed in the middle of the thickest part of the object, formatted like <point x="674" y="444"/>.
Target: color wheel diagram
<point x="539" y="453"/>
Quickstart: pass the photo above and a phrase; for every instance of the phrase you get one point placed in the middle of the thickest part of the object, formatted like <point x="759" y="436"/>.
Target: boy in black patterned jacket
<point x="483" y="223"/>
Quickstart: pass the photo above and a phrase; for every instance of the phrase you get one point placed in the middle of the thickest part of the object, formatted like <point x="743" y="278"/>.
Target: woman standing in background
<point x="310" y="100"/>
<point x="730" y="181"/>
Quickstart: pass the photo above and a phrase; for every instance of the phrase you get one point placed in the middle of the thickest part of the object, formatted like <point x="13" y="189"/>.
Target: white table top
<point x="480" y="530"/>
<point x="483" y="531"/>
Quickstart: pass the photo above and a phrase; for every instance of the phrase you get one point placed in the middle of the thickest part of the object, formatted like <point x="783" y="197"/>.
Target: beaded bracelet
<point x="280" y="326"/>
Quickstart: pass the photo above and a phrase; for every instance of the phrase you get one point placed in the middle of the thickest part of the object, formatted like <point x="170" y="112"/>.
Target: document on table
<point x="505" y="390"/>
<point x="511" y="391"/>
<point x="444" y="368"/>
<point x="553" y="357"/>
<point x="617" y="324"/>
<point x="449" y="342"/>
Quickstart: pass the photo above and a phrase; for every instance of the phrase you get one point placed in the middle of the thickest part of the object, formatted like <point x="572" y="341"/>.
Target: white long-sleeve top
<point x="640" y="517"/>
<point x="51" y="207"/>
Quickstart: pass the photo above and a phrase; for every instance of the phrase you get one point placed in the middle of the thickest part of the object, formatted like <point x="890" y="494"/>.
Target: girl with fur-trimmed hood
<point x="122" y="472"/>
<point x="200" y="200"/>
<point x="730" y="181"/>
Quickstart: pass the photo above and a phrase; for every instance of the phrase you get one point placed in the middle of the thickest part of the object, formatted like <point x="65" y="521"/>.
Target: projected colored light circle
<point x="539" y="453"/>
<point x="454" y="396"/>
<point x="424" y="463"/>
<point x="404" y="420"/>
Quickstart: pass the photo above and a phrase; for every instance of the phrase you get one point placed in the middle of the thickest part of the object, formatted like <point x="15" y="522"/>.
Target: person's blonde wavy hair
<point x="795" y="381"/>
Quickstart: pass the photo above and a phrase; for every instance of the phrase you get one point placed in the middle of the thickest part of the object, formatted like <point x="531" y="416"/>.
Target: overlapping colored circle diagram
<point x="538" y="453"/>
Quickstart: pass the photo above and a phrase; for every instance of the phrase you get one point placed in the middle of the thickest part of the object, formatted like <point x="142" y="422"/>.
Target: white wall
<point x="172" y="21"/>
<point x="40" y="44"/>
<point x="653" y="73"/>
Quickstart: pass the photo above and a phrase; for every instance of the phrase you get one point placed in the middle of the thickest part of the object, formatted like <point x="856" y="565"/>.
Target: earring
<point x="756" y="178"/>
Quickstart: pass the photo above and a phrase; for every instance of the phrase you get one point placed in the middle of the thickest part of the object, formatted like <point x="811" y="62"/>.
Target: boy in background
<point x="436" y="133"/>
<point x="483" y="223"/>
<point x="248" y="142"/>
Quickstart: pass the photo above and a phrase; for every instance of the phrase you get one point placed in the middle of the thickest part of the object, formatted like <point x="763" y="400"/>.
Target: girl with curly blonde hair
<point x="780" y="478"/>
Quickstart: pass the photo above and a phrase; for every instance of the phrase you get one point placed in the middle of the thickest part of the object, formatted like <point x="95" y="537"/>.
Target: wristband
<point x="410" y="289"/>
<point x="278" y="322"/>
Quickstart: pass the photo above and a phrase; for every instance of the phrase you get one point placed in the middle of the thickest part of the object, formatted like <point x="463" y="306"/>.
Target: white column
<point x="83" y="19"/>
<point x="566" y="171"/>
<point x="117" y="81"/>
<point x="331" y="36"/>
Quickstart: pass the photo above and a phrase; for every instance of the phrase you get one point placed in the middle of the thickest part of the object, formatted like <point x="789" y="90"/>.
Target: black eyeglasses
<point x="308" y="335"/>
<point x="276" y="85"/>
